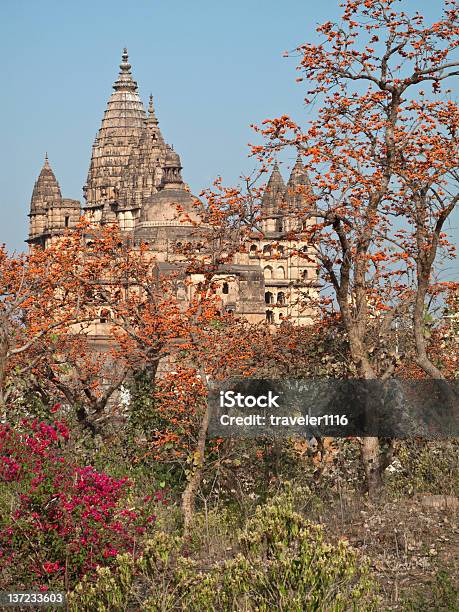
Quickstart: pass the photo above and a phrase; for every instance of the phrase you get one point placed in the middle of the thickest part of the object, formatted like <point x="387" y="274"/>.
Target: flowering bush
<point x="64" y="520"/>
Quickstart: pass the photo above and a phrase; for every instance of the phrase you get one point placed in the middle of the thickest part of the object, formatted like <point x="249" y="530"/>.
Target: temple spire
<point x="46" y="191"/>
<point x="151" y="112"/>
<point x="50" y="213"/>
<point x="298" y="185"/>
<point x="298" y="175"/>
<point x="274" y="193"/>
<point x="122" y="126"/>
<point x="275" y="180"/>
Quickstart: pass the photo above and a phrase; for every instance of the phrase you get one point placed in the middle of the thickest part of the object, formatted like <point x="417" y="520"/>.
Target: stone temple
<point x="135" y="180"/>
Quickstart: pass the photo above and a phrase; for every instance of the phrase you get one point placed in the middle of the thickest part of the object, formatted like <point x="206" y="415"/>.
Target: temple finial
<point x="125" y="81"/>
<point x="125" y="65"/>
<point x="46" y="164"/>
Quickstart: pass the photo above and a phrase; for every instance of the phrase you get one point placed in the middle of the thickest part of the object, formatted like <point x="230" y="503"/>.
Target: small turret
<point x="46" y="193"/>
<point x="172" y="177"/>
<point x="50" y="213"/>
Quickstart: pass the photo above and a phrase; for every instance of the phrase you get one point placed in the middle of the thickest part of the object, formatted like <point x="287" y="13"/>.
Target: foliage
<point x="64" y="520"/>
<point x="283" y="563"/>
<point x="378" y="185"/>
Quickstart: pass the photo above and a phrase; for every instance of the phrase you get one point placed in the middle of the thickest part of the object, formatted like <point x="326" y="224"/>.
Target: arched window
<point x="225" y="288"/>
<point x="304" y="274"/>
<point x="279" y="225"/>
<point x="267" y="249"/>
<point x="253" y="249"/>
<point x="280" y="272"/>
<point x="269" y="316"/>
<point x="269" y="298"/>
<point x="280" y="249"/>
<point x="268" y="272"/>
<point x="281" y="298"/>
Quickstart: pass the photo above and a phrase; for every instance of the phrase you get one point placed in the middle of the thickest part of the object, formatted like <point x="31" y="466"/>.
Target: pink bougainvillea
<point x="66" y="519"/>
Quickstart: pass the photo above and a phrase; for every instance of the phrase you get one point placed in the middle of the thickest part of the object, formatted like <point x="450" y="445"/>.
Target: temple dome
<point x="173" y="159"/>
<point x="165" y="208"/>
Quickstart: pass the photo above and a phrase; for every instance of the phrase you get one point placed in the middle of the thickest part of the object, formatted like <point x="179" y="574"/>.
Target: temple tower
<point x="121" y="129"/>
<point x="289" y="277"/>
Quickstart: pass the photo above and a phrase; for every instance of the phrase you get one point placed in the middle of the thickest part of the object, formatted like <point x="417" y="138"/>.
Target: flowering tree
<point x="41" y="297"/>
<point x="383" y="166"/>
<point x="87" y="313"/>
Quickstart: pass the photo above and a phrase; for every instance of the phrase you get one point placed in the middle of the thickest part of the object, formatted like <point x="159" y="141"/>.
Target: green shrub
<point x="282" y="563"/>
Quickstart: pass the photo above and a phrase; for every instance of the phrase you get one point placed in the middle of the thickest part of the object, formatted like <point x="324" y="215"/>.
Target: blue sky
<point x="213" y="67"/>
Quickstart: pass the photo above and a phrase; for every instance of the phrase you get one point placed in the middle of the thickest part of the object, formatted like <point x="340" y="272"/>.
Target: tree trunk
<point x="3" y="366"/>
<point x="194" y="479"/>
<point x="372" y="462"/>
<point x="419" y="327"/>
